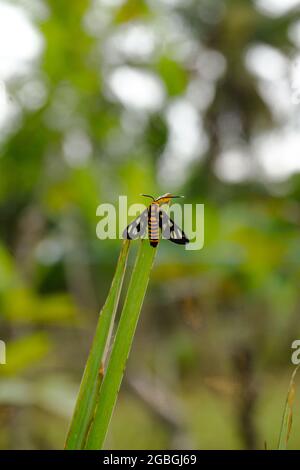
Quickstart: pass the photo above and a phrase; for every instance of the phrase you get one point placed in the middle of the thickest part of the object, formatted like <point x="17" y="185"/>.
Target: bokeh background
<point x="106" y="97"/>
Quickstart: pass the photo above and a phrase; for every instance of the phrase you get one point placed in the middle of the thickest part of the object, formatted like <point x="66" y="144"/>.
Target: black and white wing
<point x="170" y="230"/>
<point x="137" y="228"/>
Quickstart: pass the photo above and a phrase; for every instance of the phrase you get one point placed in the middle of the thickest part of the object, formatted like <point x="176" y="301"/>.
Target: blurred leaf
<point x="25" y="352"/>
<point x="131" y="10"/>
<point x="56" y="394"/>
<point x="22" y="305"/>
<point x="173" y="75"/>
<point x="6" y="269"/>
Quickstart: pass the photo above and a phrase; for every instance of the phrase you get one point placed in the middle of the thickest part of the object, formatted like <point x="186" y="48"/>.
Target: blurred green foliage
<point x="215" y="334"/>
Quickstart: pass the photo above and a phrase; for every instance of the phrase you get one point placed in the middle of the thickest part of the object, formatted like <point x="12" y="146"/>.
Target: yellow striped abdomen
<point x="153" y="224"/>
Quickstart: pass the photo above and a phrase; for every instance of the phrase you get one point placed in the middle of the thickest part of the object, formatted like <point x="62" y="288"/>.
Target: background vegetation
<point x="129" y="96"/>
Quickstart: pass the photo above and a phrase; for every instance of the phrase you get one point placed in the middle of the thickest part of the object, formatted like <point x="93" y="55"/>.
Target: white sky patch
<point x="266" y="62"/>
<point x="77" y="148"/>
<point x="273" y="71"/>
<point x="184" y="123"/>
<point x="49" y="251"/>
<point x="175" y="37"/>
<point x="210" y="64"/>
<point x="96" y="20"/>
<point x="37" y="9"/>
<point x="187" y="141"/>
<point x="111" y="3"/>
<point x="278" y="153"/>
<point x="276" y="7"/>
<point x="201" y="93"/>
<point x="234" y="166"/>
<point x="136" y="41"/>
<point x="9" y="113"/>
<point x="4" y="104"/>
<point x="294" y="33"/>
<point x="33" y="94"/>
<point x="174" y="3"/>
<point x="137" y="88"/>
<point x="278" y="95"/>
<point x="20" y="42"/>
<point x="295" y="80"/>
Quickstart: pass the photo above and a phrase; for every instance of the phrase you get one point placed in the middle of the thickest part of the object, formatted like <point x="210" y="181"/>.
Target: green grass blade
<point x="124" y="336"/>
<point x="87" y="397"/>
<point x="286" y="424"/>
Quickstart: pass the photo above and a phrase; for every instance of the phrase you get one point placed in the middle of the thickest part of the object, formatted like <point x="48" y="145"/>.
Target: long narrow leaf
<point x="123" y="340"/>
<point x="92" y="376"/>
<point x="287" y="418"/>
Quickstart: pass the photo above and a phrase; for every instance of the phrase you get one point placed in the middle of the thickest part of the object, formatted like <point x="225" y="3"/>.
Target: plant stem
<point x="123" y="340"/>
<point x="286" y="424"/>
<point x="93" y="373"/>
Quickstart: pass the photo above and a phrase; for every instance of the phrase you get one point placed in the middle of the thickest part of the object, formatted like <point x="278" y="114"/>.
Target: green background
<point x="211" y="363"/>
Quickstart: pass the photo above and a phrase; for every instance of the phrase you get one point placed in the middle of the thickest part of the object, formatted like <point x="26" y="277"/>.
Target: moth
<point x="156" y="220"/>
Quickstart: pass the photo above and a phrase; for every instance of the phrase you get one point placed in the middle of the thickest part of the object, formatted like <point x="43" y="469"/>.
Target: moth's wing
<point x="170" y="230"/>
<point x="137" y="228"/>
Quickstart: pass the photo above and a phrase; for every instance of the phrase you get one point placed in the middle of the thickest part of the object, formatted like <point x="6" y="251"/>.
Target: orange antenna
<point x="165" y="198"/>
